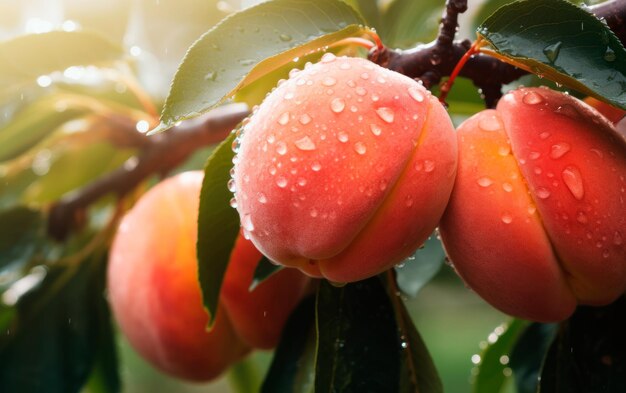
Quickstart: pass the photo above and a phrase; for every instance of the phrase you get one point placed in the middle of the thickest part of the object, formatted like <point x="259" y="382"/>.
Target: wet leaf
<point x="493" y="369"/>
<point x="264" y="270"/>
<point x="293" y="366"/>
<point x="588" y="353"/>
<point x="27" y="57"/>
<point x="529" y="354"/>
<point x="21" y="231"/>
<point x="419" y="269"/>
<point x="249" y="44"/>
<point x="218" y="224"/>
<point x="561" y="42"/>
<point x="358" y="347"/>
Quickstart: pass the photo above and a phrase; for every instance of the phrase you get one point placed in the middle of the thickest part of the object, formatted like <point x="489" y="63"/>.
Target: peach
<point x="344" y="169"/>
<point x="614" y="114"/>
<point x="259" y="316"/>
<point x="156" y="298"/>
<point x="536" y="220"/>
<point x="153" y="285"/>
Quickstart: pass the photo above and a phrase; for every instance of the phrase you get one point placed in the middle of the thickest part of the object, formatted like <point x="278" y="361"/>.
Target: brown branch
<point x="429" y="63"/>
<point x="159" y="154"/>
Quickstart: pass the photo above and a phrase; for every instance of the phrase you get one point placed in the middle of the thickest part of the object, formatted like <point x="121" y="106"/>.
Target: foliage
<point x="72" y="105"/>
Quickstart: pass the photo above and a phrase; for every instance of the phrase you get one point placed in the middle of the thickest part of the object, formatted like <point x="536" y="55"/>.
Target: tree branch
<point x="429" y="63"/>
<point x="159" y="154"/>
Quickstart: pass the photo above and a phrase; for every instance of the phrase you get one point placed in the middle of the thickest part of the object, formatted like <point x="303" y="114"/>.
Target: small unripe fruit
<point x="344" y="169"/>
<point x="536" y="223"/>
<point x="155" y="295"/>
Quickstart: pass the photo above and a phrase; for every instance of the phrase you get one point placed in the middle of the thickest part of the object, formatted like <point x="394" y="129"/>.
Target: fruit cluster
<point x="344" y="171"/>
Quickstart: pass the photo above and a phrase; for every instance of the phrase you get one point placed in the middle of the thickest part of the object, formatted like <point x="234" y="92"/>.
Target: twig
<point x="160" y="154"/>
<point x="430" y="62"/>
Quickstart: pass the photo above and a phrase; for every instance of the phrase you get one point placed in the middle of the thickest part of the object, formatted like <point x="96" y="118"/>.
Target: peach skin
<point x="536" y="221"/>
<point x="344" y="169"/>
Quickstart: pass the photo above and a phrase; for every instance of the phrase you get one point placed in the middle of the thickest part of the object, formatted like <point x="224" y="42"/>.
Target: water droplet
<point x="581" y="217"/>
<point x="246" y="222"/>
<point x="343" y="137"/>
<point x="504" y="150"/>
<point x="305" y="143"/>
<point x="271" y="138"/>
<point x="376" y="130"/>
<point x="507" y="218"/>
<point x="532" y="98"/>
<point x="302" y="182"/>
<point x="542" y="193"/>
<point x="305" y="119"/>
<point x="316" y="166"/>
<point x="345" y="66"/>
<point x="532" y="209"/>
<point x="544" y="135"/>
<point x="313" y="212"/>
<point x="329" y="81"/>
<point x="233" y="202"/>
<point x="283" y="119"/>
<point x="489" y="123"/>
<point x="416" y="94"/>
<point x="606" y="253"/>
<point x="328" y="58"/>
<point x="552" y="51"/>
<point x="375" y="97"/>
<point x="288" y="96"/>
<point x="408" y="201"/>
<point x="609" y="55"/>
<point x="534" y="155"/>
<point x="365" y="75"/>
<point x="360" y="148"/>
<point x="598" y="153"/>
<point x="231" y="185"/>
<point x="281" y="181"/>
<point x="559" y="150"/>
<point x="262" y="198"/>
<point x="246" y="62"/>
<point x="617" y="238"/>
<point x="574" y="182"/>
<point x="211" y="76"/>
<point x="285" y="37"/>
<point x="337" y="105"/>
<point x="386" y="114"/>
<point x="508" y="187"/>
<point x="429" y="166"/>
<point x="281" y="148"/>
<point x="484" y="181"/>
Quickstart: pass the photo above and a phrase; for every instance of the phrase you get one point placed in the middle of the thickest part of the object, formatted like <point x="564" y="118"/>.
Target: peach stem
<point x="447" y="85"/>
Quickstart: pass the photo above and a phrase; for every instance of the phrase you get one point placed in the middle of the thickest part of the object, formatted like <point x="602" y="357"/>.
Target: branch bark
<point x="159" y="154"/>
<point x="429" y="63"/>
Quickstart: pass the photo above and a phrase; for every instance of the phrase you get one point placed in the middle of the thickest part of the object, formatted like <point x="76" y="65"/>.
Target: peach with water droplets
<point x="156" y="298"/>
<point x="344" y="169"/>
<point x="536" y="221"/>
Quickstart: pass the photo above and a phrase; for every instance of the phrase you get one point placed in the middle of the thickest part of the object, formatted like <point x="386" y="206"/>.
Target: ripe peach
<point x="536" y="221"/>
<point x="259" y="316"/>
<point x="344" y="169"/>
<point x="153" y="285"/>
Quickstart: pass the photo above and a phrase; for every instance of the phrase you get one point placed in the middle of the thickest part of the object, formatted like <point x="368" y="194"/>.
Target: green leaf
<point x="370" y="11"/>
<point x="33" y="123"/>
<point x="249" y="44"/>
<point x="218" y="225"/>
<point x="529" y="354"/>
<point x="53" y="344"/>
<point x="358" y="348"/>
<point x="408" y="22"/>
<point x="418" y="371"/>
<point x="561" y="42"/>
<point x="21" y="229"/>
<point x="25" y="58"/>
<point x="264" y="270"/>
<point x="588" y="353"/>
<point x="493" y="369"/>
<point x="420" y="268"/>
<point x="293" y="366"/>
